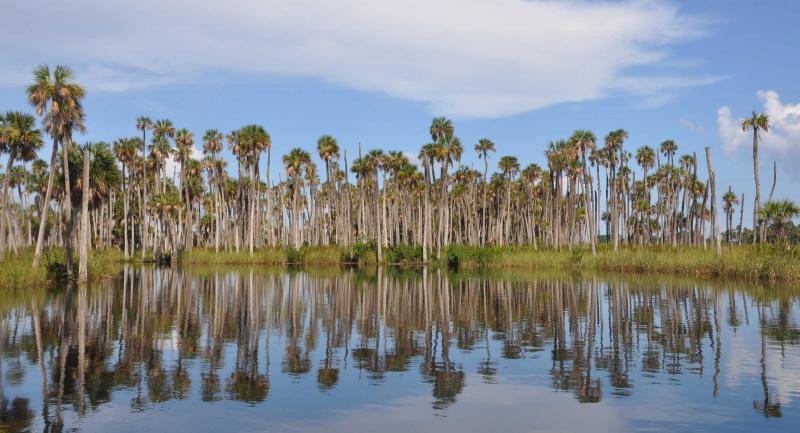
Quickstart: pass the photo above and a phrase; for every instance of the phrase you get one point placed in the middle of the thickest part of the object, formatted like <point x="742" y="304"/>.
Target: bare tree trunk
<point x="45" y="205"/>
<point x="83" y="264"/>
<point x="757" y="202"/>
<point x="714" y="220"/>
<point x="69" y="238"/>
<point x="741" y="218"/>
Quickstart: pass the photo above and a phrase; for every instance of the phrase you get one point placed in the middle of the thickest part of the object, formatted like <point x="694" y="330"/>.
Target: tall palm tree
<point x="212" y="146"/>
<point x="613" y="146"/>
<point x="509" y="167"/>
<point x="294" y="163"/>
<point x="21" y="139"/>
<point x="253" y="139"/>
<point x="757" y="122"/>
<point x="144" y="124"/>
<point x="585" y="142"/>
<point x="328" y="150"/>
<point x="184" y="142"/>
<point x="483" y="147"/>
<point x="441" y="131"/>
<point x="57" y="97"/>
<point x="375" y="160"/>
<point x="729" y="200"/>
<point x="125" y="150"/>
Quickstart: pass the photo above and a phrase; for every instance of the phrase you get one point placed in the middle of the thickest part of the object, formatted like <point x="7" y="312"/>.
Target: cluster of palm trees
<point x="137" y="205"/>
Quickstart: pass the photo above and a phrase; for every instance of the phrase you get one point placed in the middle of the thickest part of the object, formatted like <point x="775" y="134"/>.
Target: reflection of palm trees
<point x="770" y="407"/>
<point x="143" y="332"/>
<point x="246" y="383"/>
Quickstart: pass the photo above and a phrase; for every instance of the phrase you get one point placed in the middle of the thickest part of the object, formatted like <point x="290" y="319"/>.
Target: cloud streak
<point x="457" y="57"/>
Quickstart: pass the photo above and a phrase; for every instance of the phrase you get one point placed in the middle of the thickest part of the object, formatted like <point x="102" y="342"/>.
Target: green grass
<point x="16" y="272"/>
<point x="763" y="262"/>
<point x="278" y="256"/>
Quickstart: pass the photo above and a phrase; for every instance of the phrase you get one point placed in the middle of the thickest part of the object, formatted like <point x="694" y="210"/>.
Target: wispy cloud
<point x="692" y="126"/>
<point x="458" y="57"/>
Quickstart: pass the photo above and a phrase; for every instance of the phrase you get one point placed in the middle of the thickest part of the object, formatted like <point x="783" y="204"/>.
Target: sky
<point x="519" y="72"/>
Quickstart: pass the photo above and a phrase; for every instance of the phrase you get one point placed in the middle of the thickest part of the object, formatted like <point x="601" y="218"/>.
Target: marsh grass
<point x="276" y="256"/>
<point x="762" y="262"/>
<point x="16" y="271"/>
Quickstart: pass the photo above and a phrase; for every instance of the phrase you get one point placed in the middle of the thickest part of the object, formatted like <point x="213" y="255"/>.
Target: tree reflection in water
<point x="161" y="333"/>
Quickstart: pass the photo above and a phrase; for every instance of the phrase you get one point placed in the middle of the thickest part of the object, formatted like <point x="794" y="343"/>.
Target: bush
<point x="294" y="256"/>
<point x="469" y="256"/>
<point x="357" y="253"/>
<point x="404" y="254"/>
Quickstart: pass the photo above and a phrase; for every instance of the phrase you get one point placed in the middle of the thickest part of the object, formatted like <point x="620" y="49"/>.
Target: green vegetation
<point x="16" y="271"/>
<point x="658" y="210"/>
<point x="760" y="262"/>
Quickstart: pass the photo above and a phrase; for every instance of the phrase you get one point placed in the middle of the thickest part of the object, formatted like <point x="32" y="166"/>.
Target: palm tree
<point x="613" y="146"/>
<point x="212" y="146"/>
<point x="757" y="122"/>
<point x="483" y="147"/>
<point x="374" y="163"/>
<point x="509" y="167"/>
<point x="328" y="150"/>
<point x="254" y="139"/>
<point x="57" y="97"/>
<point x="441" y="131"/>
<point x="144" y="123"/>
<point x="125" y="151"/>
<point x="20" y="139"/>
<point x="163" y="131"/>
<point x="184" y="142"/>
<point x="729" y="200"/>
<point x="294" y="163"/>
<point x="646" y="158"/>
<point x="779" y="213"/>
<point x="585" y="142"/>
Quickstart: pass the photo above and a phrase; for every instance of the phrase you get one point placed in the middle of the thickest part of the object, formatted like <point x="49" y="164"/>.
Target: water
<point x="335" y="350"/>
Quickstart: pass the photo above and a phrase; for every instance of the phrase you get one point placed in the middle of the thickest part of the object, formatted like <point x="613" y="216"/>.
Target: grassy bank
<point x="744" y="262"/>
<point x="766" y="263"/>
<point x="278" y="256"/>
<point x="16" y="271"/>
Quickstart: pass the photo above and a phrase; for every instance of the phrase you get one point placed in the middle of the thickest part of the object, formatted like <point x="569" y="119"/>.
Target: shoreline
<point x="759" y="263"/>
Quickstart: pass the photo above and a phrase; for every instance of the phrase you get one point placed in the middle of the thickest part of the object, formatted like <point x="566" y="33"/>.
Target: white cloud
<point x="692" y="126"/>
<point x="458" y="57"/>
<point x="172" y="169"/>
<point x="784" y="126"/>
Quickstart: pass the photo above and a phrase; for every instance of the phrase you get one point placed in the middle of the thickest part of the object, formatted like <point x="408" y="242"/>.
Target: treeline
<point x="591" y="189"/>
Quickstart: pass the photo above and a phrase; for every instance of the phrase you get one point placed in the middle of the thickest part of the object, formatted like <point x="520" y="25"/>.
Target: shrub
<point x="295" y="256"/>
<point x="404" y="254"/>
<point x="357" y="253"/>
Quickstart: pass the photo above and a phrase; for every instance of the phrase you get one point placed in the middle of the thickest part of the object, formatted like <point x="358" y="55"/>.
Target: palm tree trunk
<point x="125" y="211"/>
<point x="83" y="266"/>
<point x="70" y="225"/>
<point x="587" y="192"/>
<point x="714" y="219"/>
<point x="45" y="205"/>
<point x="757" y="202"/>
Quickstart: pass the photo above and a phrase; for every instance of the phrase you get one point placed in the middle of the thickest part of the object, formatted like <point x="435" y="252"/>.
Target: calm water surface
<point x="163" y="350"/>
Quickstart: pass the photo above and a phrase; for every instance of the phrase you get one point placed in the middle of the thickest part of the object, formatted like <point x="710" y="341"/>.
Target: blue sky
<point x="521" y="73"/>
